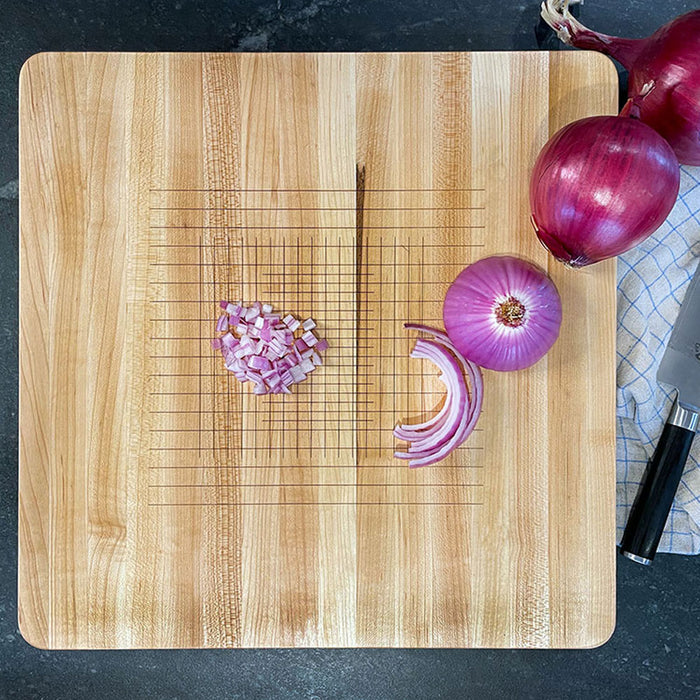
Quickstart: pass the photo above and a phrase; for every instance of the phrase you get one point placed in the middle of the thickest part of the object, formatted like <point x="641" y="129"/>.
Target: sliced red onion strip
<point x="466" y="427"/>
<point x="457" y="390"/>
<point x="413" y="431"/>
<point x="472" y="370"/>
<point x="435" y="439"/>
<point x="410" y="431"/>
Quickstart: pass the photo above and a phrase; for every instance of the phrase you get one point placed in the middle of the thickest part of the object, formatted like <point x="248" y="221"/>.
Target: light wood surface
<point x="161" y="503"/>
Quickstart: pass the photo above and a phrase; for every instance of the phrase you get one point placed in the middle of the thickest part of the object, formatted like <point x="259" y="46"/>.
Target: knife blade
<point x="679" y="368"/>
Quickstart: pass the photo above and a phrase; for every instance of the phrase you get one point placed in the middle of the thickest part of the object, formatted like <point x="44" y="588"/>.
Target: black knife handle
<point x="663" y="474"/>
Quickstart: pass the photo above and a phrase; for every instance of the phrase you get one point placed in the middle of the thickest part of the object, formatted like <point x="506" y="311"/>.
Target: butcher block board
<point x="161" y="504"/>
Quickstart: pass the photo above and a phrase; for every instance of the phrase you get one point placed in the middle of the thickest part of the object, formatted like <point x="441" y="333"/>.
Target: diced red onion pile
<point x="434" y="439"/>
<point x="259" y="346"/>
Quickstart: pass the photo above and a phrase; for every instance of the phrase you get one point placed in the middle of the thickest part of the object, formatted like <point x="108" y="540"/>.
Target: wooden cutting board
<point x="161" y="503"/>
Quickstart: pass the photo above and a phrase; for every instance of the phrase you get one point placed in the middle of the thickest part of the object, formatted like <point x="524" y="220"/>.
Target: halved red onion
<point x="265" y="351"/>
<point x="502" y="313"/>
<point x="433" y="440"/>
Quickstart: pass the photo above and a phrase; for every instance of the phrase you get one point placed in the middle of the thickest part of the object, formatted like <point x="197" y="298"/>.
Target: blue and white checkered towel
<point x="651" y="284"/>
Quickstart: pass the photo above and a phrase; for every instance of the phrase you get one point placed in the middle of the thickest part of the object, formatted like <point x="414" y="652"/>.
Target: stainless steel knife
<point x="680" y="368"/>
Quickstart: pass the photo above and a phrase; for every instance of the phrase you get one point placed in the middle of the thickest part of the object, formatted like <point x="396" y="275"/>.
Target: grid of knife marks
<point x="330" y="442"/>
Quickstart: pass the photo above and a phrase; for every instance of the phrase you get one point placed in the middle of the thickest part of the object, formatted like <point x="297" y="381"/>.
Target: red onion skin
<point x="600" y="186"/>
<point x="670" y="58"/>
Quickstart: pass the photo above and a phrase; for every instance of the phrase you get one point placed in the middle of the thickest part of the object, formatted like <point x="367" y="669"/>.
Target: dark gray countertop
<point x="655" y="651"/>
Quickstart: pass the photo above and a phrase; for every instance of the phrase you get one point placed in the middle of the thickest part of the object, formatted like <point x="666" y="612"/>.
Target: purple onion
<point x="600" y="186"/>
<point x="502" y="313"/>
<point x="669" y="58"/>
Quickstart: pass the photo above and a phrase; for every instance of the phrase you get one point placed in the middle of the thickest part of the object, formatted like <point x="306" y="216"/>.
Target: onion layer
<point x="670" y="58"/>
<point x="433" y="440"/>
<point x="502" y="313"/>
<point x="600" y="186"/>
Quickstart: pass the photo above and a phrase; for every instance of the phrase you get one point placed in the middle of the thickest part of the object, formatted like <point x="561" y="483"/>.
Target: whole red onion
<point x="502" y="313"/>
<point x="600" y="186"/>
<point x="669" y="58"/>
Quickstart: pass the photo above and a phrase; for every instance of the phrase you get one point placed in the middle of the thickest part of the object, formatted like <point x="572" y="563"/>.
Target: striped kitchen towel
<point x="652" y="279"/>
